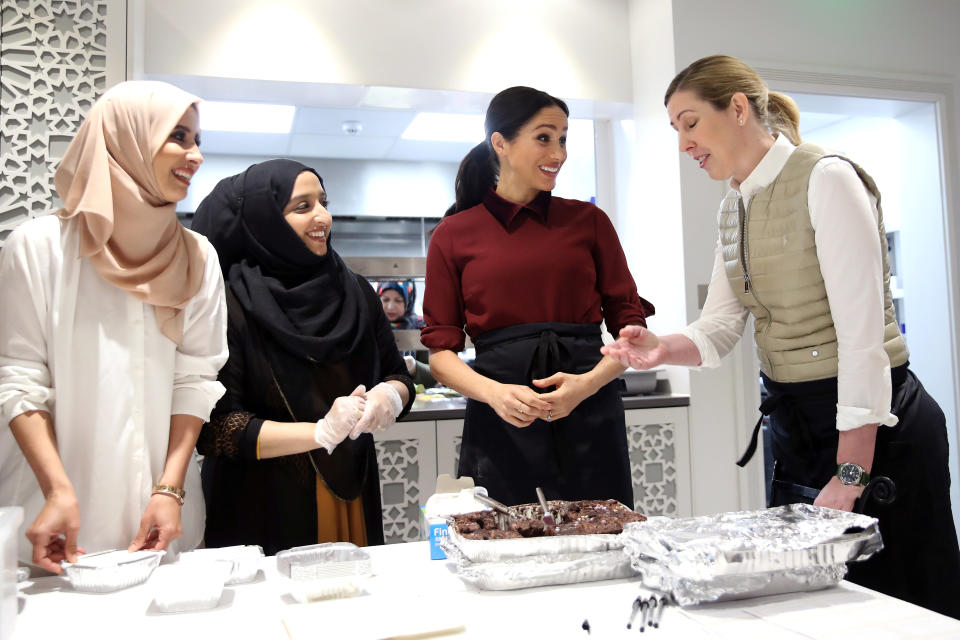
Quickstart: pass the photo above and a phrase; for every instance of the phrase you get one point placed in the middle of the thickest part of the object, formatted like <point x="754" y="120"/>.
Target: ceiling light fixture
<point x="246" y="117"/>
<point x="352" y="127"/>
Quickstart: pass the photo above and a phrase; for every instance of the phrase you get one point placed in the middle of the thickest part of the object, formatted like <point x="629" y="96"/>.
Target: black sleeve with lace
<point x="230" y="434"/>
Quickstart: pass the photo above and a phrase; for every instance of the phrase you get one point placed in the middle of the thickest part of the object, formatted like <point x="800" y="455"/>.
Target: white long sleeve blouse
<point x="93" y="357"/>
<point x="844" y="218"/>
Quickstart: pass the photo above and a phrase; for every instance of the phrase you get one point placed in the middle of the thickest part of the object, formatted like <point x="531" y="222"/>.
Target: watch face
<point x="849" y="473"/>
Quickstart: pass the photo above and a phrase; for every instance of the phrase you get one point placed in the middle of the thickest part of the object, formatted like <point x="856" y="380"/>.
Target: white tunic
<point x="93" y="357"/>
<point x="844" y="218"/>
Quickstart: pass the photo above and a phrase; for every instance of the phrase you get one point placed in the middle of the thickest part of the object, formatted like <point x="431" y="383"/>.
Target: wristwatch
<point x="852" y="474"/>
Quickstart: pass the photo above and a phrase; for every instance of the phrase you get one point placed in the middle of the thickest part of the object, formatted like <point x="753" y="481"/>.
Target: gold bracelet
<point x="176" y="493"/>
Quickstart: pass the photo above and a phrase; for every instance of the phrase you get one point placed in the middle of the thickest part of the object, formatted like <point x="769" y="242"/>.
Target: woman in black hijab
<point x="313" y="371"/>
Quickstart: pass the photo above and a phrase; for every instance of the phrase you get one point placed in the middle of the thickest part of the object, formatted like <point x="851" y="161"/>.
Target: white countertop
<point x="409" y="592"/>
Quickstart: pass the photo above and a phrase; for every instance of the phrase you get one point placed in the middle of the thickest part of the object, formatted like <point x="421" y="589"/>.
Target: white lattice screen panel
<point x="653" y="468"/>
<point x="53" y="66"/>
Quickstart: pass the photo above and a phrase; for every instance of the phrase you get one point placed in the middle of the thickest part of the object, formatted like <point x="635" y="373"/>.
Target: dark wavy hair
<point x="508" y="111"/>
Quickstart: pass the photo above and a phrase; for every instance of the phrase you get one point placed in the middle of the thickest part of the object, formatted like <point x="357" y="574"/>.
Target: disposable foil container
<point x="749" y="553"/>
<point x="540" y="570"/>
<point x="107" y="571"/>
<point x="324" y="561"/>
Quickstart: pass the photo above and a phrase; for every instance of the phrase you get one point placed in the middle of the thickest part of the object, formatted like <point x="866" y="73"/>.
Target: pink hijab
<point x="106" y="180"/>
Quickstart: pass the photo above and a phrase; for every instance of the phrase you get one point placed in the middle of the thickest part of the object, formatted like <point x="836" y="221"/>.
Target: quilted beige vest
<point x="771" y="263"/>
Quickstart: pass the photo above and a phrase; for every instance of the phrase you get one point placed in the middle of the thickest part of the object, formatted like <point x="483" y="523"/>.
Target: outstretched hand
<point x="637" y="347"/>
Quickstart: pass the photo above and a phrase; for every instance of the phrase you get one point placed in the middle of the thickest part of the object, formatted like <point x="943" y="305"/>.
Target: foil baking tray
<point x="744" y="554"/>
<point x="540" y="570"/>
<point x="504" y="549"/>
<point x="106" y="571"/>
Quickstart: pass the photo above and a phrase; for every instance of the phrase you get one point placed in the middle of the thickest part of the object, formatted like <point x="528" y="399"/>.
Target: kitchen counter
<point x="452" y="408"/>
<point x="409" y="593"/>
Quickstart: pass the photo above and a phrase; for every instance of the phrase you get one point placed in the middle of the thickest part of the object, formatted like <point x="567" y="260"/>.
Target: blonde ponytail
<point x="783" y="115"/>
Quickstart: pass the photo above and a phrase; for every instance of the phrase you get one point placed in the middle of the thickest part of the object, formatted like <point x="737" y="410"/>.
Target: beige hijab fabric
<point x="106" y="180"/>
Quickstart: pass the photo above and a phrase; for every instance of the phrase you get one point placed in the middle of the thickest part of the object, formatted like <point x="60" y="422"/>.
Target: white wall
<point x="571" y="48"/>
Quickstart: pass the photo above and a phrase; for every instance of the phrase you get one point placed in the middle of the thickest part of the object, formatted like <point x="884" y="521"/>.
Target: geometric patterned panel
<point x="653" y="467"/>
<point x="53" y="67"/>
<point x="399" y="485"/>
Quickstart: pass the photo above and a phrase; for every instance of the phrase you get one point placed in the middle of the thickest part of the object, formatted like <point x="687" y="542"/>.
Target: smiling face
<point x="393" y="304"/>
<point x="179" y="157"/>
<point x="712" y="137"/>
<point x="306" y="213"/>
<point x="529" y="163"/>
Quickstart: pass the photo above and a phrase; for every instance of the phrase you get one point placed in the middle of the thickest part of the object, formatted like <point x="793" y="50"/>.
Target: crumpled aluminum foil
<point x="539" y="570"/>
<point x="745" y="554"/>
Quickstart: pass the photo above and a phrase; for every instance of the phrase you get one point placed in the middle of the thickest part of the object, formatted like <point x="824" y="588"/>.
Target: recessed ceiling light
<point x="445" y="127"/>
<point x="248" y="117"/>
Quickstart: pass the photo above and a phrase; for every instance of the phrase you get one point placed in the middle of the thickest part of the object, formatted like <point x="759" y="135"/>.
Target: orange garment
<point x="339" y="521"/>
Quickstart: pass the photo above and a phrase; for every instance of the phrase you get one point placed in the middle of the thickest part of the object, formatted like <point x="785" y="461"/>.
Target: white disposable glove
<point x="340" y="421"/>
<point x="383" y="407"/>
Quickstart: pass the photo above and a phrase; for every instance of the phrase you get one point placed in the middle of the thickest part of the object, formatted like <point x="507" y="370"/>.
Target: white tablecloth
<point x="409" y="592"/>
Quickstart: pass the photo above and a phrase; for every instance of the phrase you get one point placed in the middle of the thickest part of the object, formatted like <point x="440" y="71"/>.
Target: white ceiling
<point x="384" y="113"/>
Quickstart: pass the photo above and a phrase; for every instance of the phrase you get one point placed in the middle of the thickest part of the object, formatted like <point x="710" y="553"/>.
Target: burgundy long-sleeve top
<point x="500" y="264"/>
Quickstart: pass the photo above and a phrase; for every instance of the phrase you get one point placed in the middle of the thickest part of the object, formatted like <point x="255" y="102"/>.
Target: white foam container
<point x="10" y="520"/>
<point x="189" y="587"/>
<point x="245" y="558"/>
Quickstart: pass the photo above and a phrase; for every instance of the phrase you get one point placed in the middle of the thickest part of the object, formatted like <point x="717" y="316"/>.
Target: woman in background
<point x="802" y="247"/>
<point x="313" y="371"/>
<point x="529" y="277"/>
<point x="112" y="330"/>
<point x="397" y="299"/>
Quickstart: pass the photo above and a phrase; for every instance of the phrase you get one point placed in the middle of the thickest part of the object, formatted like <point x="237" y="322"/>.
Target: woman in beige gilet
<point x="802" y="247"/>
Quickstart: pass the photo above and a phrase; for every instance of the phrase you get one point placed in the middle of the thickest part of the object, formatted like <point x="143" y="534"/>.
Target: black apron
<point x="579" y="457"/>
<point x="920" y="562"/>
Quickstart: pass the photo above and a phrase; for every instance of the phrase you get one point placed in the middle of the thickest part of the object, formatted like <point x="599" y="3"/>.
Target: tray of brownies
<point x="497" y="552"/>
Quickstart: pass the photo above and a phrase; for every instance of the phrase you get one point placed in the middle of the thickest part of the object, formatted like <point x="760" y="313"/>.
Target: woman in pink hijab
<point x="112" y="331"/>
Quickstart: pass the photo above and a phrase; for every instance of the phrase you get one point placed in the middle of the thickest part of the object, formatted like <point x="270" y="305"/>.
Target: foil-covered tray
<point x="745" y="554"/>
<point x="504" y="549"/>
<point x="539" y="571"/>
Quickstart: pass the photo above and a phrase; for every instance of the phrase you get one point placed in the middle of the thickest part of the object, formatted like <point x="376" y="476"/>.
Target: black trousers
<point x="920" y="561"/>
<point x="582" y="456"/>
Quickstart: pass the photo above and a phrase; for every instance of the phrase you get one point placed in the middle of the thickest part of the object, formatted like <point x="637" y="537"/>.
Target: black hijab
<point x="311" y="305"/>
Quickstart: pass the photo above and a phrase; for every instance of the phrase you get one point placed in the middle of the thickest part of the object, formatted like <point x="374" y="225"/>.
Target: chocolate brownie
<point x="579" y="517"/>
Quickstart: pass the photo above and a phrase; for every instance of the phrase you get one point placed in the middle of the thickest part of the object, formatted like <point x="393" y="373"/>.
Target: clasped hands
<point x="361" y="412"/>
<point x="520" y="405"/>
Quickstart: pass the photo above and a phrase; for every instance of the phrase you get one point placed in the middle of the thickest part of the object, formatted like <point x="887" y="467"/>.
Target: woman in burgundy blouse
<point x="529" y="277"/>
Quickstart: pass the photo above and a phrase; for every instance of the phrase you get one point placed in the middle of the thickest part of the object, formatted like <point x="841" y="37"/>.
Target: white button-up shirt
<point x="93" y="356"/>
<point x="844" y="218"/>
